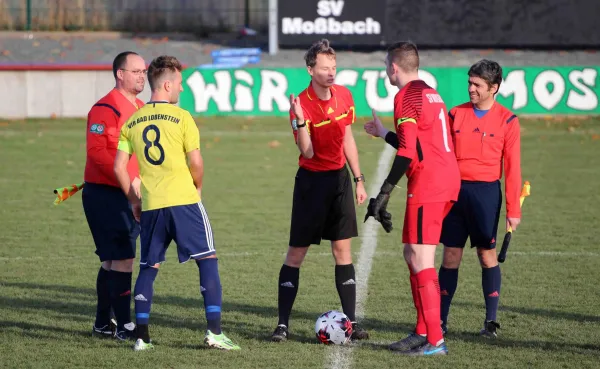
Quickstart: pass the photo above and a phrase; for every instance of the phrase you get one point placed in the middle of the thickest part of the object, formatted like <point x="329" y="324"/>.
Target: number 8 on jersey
<point x="161" y="135"/>
<point x="153" y="143"/>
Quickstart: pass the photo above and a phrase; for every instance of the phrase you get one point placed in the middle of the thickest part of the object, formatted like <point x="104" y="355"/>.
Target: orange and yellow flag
<point x="63" y="193"/>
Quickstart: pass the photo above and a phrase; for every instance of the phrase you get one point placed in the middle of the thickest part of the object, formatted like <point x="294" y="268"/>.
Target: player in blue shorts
<point x="163" y="136"/>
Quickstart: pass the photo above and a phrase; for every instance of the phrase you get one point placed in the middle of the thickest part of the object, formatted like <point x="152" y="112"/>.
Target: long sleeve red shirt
<point x="484" y="145"/>
<point x="102" y="138"/>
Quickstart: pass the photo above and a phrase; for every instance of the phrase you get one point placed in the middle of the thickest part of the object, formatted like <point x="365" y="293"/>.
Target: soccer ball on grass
<point x="333" y="328"/>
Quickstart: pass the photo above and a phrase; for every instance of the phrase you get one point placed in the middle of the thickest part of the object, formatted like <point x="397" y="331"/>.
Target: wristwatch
<point x="359" y="179"/>
<point x="295" y="124"/>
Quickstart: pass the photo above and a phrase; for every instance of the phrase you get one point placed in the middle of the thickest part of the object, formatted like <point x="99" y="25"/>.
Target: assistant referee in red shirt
<point x="106" y="208"/>
<point x="323" y="204"/>
<point x="487" y="139"/>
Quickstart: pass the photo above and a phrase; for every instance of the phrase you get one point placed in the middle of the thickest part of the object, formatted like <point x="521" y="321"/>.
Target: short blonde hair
<point x="160" y="66"/>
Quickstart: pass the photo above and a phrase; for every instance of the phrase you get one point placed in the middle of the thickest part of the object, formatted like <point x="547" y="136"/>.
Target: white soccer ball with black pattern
<point x="333" y="328"/>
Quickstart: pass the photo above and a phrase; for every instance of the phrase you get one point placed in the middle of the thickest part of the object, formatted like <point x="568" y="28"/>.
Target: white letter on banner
<point x="583" y="80"/>
<point x="320" y="26"/>
<point x="273" y="87"/>
<point x="359" y="28"/>
<point x="333" y="27"/>
<point x="291" y="26"/>
<point x="428" y="78"/>
<point x="336" y="7"/>
<point x="203" y="93"/>
<point x="373" y="27"/>
<point x="323" y="8"/>
<point x="347" y="28"/>
<point x="543" y="96"/>
<point x="514" y="84"/>
<point x="346" y="77"/>
<point x="308" y="27"/>
<point x="375" y="101"/>
<point x="243" y="94"/>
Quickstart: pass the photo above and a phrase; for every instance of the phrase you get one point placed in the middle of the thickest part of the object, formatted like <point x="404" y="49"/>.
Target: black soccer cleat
<point x="409" y="343"/>
<point x="280" y="334"/>
<point x="103" y="332"/>
<point x="489" y="329"/>
<point x="426" y="350"/>
<point x="358" y="332"/>
<point x="128" y="332"/>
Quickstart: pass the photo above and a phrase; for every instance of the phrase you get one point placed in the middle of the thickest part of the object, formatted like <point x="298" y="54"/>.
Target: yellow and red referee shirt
<point x="326" y="121"/>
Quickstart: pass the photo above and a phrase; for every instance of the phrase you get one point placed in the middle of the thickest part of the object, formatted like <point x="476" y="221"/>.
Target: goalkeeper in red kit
<point x="426" y="156"/>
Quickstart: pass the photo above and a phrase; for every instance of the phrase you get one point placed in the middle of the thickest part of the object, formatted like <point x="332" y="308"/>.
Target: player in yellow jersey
<point x="163" y="136"/>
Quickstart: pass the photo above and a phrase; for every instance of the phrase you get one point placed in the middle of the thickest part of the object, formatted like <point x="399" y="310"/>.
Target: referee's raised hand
<point x="296" y="107"/>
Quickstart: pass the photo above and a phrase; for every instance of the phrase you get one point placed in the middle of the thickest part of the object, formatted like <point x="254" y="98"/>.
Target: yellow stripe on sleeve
<point x="125" y="146"/>
<point x="406" y="120"/>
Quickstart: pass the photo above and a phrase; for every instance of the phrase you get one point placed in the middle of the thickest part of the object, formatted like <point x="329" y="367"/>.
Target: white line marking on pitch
<point x="341" y="357"/>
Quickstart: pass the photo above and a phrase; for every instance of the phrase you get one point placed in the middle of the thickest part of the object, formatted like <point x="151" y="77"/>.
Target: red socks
<point x="429" y="294"/>
<point x="420" y="328"/>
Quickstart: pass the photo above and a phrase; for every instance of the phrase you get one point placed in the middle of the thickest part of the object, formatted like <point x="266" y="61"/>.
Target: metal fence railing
<point x="196" y="16"/>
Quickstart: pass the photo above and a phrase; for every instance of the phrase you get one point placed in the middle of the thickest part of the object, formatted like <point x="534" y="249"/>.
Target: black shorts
<point x="111" y="221"/>
<point x="323" y="207"/>
<point x="475" y="215"/>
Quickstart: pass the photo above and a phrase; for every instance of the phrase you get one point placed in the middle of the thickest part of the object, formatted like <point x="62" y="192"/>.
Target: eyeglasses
<point x="135" y="72"/>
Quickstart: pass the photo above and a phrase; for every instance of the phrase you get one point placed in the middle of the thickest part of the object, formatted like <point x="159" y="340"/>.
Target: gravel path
<point x="100" y="48"/>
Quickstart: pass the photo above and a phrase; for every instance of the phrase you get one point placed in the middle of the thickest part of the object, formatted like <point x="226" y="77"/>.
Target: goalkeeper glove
<point x="378" y="207"/>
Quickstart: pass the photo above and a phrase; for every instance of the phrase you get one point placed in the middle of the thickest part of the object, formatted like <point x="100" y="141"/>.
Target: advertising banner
<point x="265" y="91"/>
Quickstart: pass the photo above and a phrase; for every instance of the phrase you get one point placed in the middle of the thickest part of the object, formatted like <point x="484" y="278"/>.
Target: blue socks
<point x="491" y="279"/>
<point x="210" y="288"/>
<point x="448" y="281"/>
<point x="143" y="294"/>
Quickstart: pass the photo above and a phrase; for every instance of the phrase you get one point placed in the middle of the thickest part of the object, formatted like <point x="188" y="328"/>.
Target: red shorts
<point x="423" y="222"/>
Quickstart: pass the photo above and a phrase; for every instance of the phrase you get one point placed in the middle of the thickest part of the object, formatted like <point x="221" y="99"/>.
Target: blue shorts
<point x="111" y="221"/>
<point x="475" y="215"/>
<point x="187" y="225"/>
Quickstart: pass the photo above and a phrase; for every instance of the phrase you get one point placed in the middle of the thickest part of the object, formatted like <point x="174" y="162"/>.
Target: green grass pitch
<point x="549" y="300"/>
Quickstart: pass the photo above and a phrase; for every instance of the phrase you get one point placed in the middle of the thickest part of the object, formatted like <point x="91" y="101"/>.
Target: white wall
<point x="41" y="94"/>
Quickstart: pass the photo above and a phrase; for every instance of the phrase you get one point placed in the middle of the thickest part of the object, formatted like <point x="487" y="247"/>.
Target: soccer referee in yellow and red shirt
<point x="323" y="205"/>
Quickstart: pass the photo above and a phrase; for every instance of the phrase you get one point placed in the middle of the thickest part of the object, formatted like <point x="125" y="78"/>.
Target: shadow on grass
<point x="271" y="311"/>
<point x="252" y="330"/>
<point x="30" y="327"/>
<point x="546" y="313"/>
<point x="526" y="344"/>
<point x="187" y="302"/>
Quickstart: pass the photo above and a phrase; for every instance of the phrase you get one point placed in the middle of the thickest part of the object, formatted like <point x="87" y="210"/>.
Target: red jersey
<point x="326" y="122"/>
<point x="102" y="138"/>
<point x="483" y="144"/>
<point x="423" y="130"/>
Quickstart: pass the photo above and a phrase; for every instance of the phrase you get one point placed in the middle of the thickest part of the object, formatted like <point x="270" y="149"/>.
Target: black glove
<point x="378" y="207"/>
